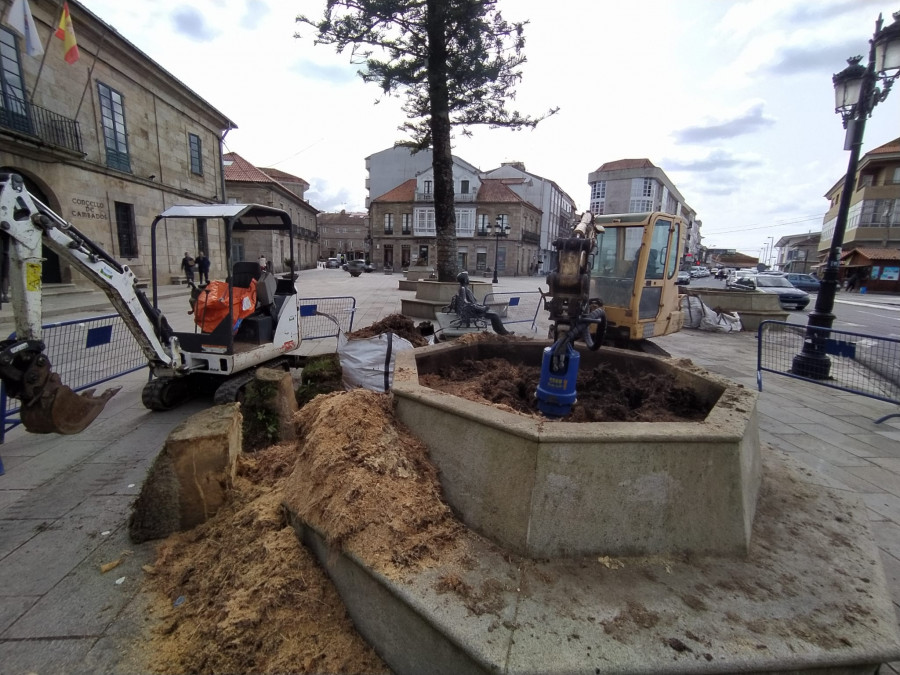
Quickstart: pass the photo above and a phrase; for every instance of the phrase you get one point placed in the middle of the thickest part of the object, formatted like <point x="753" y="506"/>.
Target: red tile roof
<point x="241" y="170"/>
<point x="405" y="192"/>
<point x="889" y="147"/>
<point x="283" y="176"/>
<point x="496" y="190"/>
<point x="873" y="253"/>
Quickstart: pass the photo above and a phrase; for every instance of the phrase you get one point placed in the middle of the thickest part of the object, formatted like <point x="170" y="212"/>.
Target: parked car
<point x="333" y="264"/>
<point x="683" y="279"/>
<point x="789" y="296"/>
<point x="699" y="273"/>
<point x="805" y="282"/>
<point x="370" y="267"/>
<point x="355" y="267"/>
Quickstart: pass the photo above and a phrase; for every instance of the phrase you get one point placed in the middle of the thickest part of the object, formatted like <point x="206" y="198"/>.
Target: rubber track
<point x="228" y="391"/>
<point x="154" y="393"/>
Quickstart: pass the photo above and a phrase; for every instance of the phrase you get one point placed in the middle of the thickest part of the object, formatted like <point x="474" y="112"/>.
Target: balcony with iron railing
<point x="45" y="125"/>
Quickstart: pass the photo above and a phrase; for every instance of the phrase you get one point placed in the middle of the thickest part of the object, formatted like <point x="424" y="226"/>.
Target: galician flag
<point x="20" y="20"/>
<point x="66" y="33"/>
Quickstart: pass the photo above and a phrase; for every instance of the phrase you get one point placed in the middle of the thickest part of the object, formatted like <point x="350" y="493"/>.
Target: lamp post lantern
<point x="857" y="92"/>
<point x="498" y="230"/>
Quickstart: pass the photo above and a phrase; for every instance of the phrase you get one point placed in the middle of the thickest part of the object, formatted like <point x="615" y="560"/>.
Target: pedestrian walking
<point x="203" y="267"/>
<point x="263" y="264"/>
<point x="187" y="264"/>
<point x="852" y="280"/>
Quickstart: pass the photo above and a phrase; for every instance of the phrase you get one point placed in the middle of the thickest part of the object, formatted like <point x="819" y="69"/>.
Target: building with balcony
<point x="557" y="207"/>
<point x="404" y="233"/>
<point x="109" y="141"/>
<point x="873" y="221"/>
<point x="797" y="253"/>
<point x="637" y="186"/>
<point x="249" y="184"/>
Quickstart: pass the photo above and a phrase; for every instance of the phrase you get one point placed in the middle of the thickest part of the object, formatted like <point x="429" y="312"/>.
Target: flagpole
<point x="59" y="4"/>
<point x="91" y="72"/>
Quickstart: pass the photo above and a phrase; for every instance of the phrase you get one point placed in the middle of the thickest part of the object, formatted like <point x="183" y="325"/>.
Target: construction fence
<point x="88" y="352"/>
<point x="862" y="364"/>
<point x="519" y="308"/>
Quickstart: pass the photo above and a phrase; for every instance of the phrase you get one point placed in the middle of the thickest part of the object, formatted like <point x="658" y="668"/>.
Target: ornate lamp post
<point x="499" y="229"/>
<point x="856" y="95"/>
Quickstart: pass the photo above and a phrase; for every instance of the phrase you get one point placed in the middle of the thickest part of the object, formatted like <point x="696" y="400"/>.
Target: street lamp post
<point x="498" y="230"/>
<point x="856" y="95"/>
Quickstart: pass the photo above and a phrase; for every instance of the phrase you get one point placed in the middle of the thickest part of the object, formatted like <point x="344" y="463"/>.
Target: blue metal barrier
<point x="85" y="353"/>
<point x="518" y="307"/>
<point x="862" y="364"/>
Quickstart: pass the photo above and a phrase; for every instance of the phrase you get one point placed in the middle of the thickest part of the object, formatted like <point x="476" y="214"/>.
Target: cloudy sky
<point x="733" y="100"/>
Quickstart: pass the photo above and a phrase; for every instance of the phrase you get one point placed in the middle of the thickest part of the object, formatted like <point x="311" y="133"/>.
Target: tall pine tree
<point x="455" y="61"/>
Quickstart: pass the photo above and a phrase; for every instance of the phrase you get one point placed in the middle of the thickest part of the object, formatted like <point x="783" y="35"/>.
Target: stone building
<point x="248" y="184"/>
<point x="344" y="234"/>
<point x="637" y="186"/>
<point x="109" y="141"/>
<point x="404" y="234"/>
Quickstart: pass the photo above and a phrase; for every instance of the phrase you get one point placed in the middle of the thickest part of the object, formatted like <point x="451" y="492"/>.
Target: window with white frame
<point x="423" y="223"/>
<point x="427" y="186"/>
<point x="465" y="222"/>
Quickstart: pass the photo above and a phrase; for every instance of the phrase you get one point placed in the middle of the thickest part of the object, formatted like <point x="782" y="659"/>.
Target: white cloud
<point x="744" y="86"/>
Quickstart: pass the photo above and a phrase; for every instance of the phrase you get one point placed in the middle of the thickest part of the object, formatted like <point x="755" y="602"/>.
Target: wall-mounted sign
<point x="88" y="209"/>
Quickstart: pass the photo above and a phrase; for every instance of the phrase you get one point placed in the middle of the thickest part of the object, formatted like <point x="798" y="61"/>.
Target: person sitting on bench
<point x="468" y="309"/>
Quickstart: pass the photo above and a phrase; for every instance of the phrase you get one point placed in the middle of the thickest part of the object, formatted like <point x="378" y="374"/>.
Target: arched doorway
<point x="50" y="270"/>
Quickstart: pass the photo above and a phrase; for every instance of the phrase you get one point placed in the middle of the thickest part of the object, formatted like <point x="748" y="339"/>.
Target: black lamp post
<point x="498" y="230"/>
<point x="856" y="95"/>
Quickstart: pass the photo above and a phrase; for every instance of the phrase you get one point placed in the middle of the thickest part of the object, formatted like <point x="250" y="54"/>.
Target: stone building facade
<point x="403" y="227"/>
<point x="109" y="141"/>
<point x="344" y="234"/>
<point x="249" y="184"/>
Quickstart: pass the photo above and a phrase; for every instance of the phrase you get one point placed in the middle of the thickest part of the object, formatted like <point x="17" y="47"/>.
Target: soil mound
<point x="604" y="394"/>
<point x="394" y="323"/>
<point x="366" y="484"/>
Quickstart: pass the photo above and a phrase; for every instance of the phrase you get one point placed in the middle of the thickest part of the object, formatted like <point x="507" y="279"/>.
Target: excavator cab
<point x="634" y="272"/>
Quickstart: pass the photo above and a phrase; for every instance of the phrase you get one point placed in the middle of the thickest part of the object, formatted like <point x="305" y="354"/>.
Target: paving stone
<point x="886" y="480"/>
<point x="887" y="506"/>
<point x="43" y="656"/>
<point x="14" y="533"/>
<point x="12" y="607"/>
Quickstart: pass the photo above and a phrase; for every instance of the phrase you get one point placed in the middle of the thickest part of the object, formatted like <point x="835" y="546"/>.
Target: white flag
<point x="20" y="20"/>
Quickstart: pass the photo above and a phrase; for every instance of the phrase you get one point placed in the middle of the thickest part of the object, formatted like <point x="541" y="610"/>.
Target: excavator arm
<point x="48" y="406"/>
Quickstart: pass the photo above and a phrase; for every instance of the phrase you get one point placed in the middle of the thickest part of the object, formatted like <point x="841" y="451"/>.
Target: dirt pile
<point x="604" y="394"/>
<point x="394" y="323"/>
<point x="366" y="484"/>
<point x="240" y="594"/>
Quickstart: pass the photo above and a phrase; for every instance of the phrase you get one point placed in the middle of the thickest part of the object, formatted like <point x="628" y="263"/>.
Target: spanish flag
<point x="66" y="33"/>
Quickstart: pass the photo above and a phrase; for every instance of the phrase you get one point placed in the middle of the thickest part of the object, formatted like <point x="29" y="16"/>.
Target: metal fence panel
<point x="85" y="353"/>
<point x="521" y="307"/>
<point x="315" y="326"/>
<point x="862" y="364"/>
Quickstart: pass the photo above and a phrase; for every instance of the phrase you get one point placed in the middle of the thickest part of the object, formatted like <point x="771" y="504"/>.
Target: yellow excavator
<point x="614" y="282"/>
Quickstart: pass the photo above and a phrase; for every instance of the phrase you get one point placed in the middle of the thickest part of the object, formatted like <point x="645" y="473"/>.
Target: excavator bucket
<point x="59" y="410"/>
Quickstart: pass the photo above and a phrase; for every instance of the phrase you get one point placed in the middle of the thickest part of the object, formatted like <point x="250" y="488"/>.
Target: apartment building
<point x="637" y="186"/>
<point x="797" y="253"/>
<point x="108" y="141"/>
<point x="557" y="207"/>
<point x="249" y="184"/>
<point x="404" y="232"/>
<point x="873" y="221"/>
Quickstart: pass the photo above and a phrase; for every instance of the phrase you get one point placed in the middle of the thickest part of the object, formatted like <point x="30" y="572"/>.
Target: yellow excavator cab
<point x="634" y="271"/>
